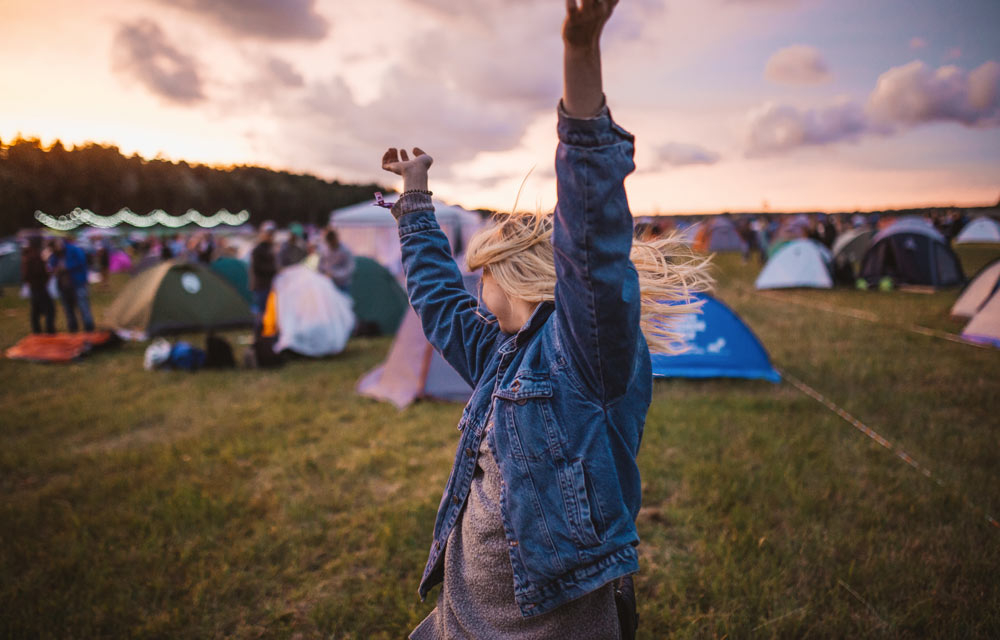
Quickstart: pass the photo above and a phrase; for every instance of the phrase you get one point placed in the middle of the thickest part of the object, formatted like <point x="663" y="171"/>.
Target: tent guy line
<point x="857" y="314"/>
<point x="874" y="435"/>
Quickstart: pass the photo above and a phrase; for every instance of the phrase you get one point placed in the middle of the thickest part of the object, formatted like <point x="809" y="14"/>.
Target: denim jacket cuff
<point x="417" y="220"/>
<point x="597" y="131"/>
<point x="411" y="202"/>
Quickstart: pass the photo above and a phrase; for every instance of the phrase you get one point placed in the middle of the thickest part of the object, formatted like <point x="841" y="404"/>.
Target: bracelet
<point x="423" y="191"/>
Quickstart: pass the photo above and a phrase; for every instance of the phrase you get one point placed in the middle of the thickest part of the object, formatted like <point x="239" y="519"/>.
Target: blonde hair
<point x="517" y="250"/>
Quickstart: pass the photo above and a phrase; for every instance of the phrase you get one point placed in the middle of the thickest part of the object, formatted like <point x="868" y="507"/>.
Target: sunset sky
<point x="736" y="104"/>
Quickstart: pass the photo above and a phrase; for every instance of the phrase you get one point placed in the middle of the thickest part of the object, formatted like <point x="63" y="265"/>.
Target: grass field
<point x="278" y="504"/>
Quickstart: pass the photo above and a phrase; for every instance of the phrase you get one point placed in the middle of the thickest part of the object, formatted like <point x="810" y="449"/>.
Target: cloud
<point x="333" y="129"/>
<point x="953" y="54"/>
<point x="282" y="73"/>
<point x="915" y="94"/>
<point x="141" y="50"/>
<point x="776" y="128"/>
<point x="677" y="154"/>
<point x="917" y="43"/>
<point x="797" y="64"/>
<point x="269" y="19"/>
<point x="904" y="97"/>
<point x="453" y="99"/>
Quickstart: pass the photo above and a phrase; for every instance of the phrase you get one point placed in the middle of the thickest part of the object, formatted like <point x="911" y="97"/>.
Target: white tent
<point x="314" y="318"/>
<point x="980" y="230"/>
<point x="799" y="263"/>
<point x="369" y="230"/>
<point x="977" y="292"/>
<point x="984" y="327"/>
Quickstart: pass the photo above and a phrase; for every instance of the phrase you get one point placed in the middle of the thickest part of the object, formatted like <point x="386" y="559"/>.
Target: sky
<point x="738" y="105"/>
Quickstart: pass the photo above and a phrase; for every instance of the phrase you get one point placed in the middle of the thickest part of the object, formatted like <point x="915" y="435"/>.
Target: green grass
<point x="279" y="504"/>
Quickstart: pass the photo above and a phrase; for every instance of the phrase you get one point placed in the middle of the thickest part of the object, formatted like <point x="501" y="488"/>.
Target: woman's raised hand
<point x="414" y="171"/>
<point x="583" y="92"/>
<point x="585" y="19"/>
<point x="399" y="162"/>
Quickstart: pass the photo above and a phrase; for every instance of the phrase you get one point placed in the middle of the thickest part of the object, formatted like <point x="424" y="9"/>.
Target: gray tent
<point x="414" y="369"/>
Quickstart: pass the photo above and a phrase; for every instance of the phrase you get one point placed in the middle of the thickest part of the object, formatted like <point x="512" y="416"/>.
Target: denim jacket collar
<point x="530" y="328"/>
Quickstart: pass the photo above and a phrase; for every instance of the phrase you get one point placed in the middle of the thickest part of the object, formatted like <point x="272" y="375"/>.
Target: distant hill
<point x="100" y="178"/>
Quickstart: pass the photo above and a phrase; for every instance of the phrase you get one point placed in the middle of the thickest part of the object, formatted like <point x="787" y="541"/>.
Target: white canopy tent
<point x="369" y="230"/>
<point x="799" y="263"/>
<point x="980" y="230"/>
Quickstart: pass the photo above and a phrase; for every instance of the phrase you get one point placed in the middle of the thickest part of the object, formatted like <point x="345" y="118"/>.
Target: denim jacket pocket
<point x="526" y="410"/>
<point x="582" y="518"/>
<point x="525" y="387"/>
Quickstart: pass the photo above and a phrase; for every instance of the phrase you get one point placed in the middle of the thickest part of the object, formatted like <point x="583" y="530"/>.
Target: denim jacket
<point x="566" y="396"/>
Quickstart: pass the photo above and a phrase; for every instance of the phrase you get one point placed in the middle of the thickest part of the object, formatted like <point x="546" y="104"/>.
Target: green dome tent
<point x="379" y="301"/>
<point x="236" y="273"/>
<point x="173" y="297"/>
<point x="10" y="263"/>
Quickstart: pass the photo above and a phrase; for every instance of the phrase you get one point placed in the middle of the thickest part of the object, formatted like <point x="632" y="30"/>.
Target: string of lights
<point x="79" y="216"/>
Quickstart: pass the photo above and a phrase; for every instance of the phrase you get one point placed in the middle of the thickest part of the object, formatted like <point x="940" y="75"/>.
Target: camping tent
<point x="688" y="232"/>
<point x="984" y="328"/>
<point x="851" y="245"/>
<point x="718" y="234"/>
<point x="799" y="263"/>
<point x="720" y="346"/>
<point x="979" y="290"/>
<point x="414" y="369"/>
<point x="848" y="250"/>
<point x="980" y="230"/>
<point x="242" y="245"/>
<point x="173" y="297"/>
<point x="371" y="231"/>
<point x="10" y="263"/>
<point x="379" y="300"/>
<point x="912" y="253"/>
<point x="236" y="273"/>
<point x="314" y="317"/>
<point x="119" y="261"/>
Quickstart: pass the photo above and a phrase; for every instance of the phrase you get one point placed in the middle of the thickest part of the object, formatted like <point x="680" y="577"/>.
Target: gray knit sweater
<point x="477" y="597"/>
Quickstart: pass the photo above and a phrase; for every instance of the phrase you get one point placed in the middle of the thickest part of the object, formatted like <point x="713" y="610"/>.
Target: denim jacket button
<point x="455" y="499"/>
<point x="468" y="451"/>
<point x="516" y="385"/>
<point x="522" y="402"/>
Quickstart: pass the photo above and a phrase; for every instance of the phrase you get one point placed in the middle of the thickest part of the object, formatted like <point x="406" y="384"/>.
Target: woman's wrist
<point x="415" y="180"/>
<point x="583" y="90"/>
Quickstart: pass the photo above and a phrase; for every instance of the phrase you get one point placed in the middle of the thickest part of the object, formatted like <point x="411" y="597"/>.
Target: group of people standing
<point x="333" y="259"/>
<point x="56" y="269"/>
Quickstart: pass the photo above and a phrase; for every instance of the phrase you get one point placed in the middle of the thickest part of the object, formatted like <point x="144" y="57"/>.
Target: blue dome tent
<point x="721" y="346"/>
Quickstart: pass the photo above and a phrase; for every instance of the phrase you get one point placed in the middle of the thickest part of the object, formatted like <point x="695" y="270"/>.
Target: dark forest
<point x="100" y="178"/>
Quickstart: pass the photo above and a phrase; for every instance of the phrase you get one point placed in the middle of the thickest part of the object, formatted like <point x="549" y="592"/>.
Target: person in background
<point x="336" y="261"/>
<point x="103" y="259"/>
<point x="263" y="267"/>
<point x="177" y="247"/>
<point x="293" y="251"/>
<point x="69" y="264"/>
<point x="205" y="247"/>
<point x="36" y="276"/>
<point x="759" y="229"/>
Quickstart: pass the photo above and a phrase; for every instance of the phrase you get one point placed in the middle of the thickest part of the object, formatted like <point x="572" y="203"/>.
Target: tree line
<point x="100" y="178"/>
